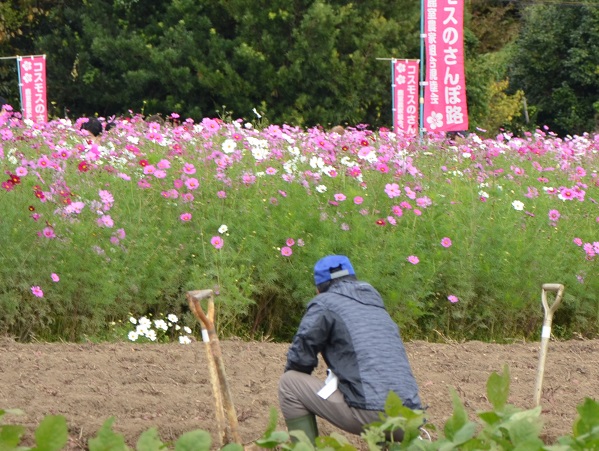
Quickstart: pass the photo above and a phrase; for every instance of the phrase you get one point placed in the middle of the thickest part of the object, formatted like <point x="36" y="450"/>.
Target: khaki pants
<point x="298" y="397"/>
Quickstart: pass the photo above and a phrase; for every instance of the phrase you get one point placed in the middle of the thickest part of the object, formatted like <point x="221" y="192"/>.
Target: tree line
<point x="302" y="62"/>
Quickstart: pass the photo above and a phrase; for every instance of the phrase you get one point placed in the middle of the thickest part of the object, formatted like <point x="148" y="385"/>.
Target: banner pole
<point x="421" y="100"/>
<point x="393" y="96"/>
<point x="20" y="82"/>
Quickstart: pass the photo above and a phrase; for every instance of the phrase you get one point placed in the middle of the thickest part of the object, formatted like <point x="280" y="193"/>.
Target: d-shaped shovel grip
<point x="550" y="309"/>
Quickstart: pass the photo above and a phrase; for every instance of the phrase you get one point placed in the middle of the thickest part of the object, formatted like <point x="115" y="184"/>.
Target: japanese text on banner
<point x="445" y="107"/>
<point x="405" y="97"/>
<point x="32" y="83"/>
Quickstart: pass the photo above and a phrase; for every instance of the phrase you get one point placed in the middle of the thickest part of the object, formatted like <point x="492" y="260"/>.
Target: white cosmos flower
<point x="187" y="329"/>
<point x="518" y="205"/>
<point x="133" y="336"/>
<point x="172" y="318"/>
<point x="184" y="340"/>
<point x="321" y="189"/>
<point x="132" y="320"/>
<point x="229" y="145"/>
<point x="160" y="324"/>
<point x="223" y="229"/>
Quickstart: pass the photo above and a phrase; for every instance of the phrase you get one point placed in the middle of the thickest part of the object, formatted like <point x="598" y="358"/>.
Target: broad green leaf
<point x="393" y="404"/>
<point x="10" y="435"/>
<point x="498" y="387"/>
<point x="272" y="422"/>
<point x="303" y="446"/>
<point x="197" y="440"/>
<point x="588" y="417"/>
<point x="149" y="441"/>
<point x="524" y="426"/>
<point x="465" y="433"/>
<point x="273" y="440"/>
<point x="106" y="439"/>
<point x="52" y="433"/>
<point x="489" y="417"/>
<point x="232" y="447"/>
<point x="459" y="417"/>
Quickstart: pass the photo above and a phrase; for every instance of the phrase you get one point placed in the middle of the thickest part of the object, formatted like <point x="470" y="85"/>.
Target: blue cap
<point x="332" y="267"/>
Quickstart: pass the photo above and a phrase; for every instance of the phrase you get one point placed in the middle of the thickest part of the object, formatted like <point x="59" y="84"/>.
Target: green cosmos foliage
<point x="505" y="427"/>
<point x="280" y="198"/>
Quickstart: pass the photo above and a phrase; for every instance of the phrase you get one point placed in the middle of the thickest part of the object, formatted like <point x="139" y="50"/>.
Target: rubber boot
<point x="307" y="423"/>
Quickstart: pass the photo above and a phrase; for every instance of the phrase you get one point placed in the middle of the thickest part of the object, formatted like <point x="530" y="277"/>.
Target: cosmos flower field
<point x="457" y="234"/>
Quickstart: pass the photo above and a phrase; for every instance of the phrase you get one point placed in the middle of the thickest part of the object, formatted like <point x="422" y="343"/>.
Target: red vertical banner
<point x="445" y="107"/>
<point x="32" y="83"/>
<point x="405" y="97"/>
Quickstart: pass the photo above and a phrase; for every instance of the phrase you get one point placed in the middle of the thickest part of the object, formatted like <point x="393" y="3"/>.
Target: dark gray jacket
<point x="359" y="342"/>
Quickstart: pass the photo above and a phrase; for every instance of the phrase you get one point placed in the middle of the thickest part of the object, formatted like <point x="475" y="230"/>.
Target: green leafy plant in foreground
<point x="505" y="427"/>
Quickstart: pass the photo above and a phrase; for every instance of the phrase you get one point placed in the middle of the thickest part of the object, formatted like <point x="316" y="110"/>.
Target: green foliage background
<point x="304" y="62"/>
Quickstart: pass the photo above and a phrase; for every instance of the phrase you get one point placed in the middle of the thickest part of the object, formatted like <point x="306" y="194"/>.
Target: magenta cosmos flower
<point x="54" y="277"/>
<point x="452" y="298"/>
<point x="185" y="217"/>
<point x="286" y="251"/>
<point x="446" y="242"/>
<point x="37" y="291"/>
<point x="413" y="259"/>
<point x="217" y="242"/>
<point x="554" y="215"/>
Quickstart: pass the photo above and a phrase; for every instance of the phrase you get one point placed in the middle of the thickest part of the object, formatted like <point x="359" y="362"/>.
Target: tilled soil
<point x="168" y="386"/>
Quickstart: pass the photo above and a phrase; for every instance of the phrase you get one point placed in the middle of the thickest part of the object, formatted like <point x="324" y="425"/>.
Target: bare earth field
<point x="168" y="385"/>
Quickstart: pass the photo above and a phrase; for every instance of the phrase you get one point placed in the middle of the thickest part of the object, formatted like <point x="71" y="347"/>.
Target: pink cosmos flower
<point x="554" y="215"/>
<point x="192" y="183"/>
<point x="577" y="241"/>
<point x="358" y="200"/>
<point x="105" y="221"/>
<point x="413" y="259"/>
<point x="121" y="233"/>
<point x="185" y="217"/>
<point x="221" y="194"/>
<point x="417" y="212"/>
<point x="37" y="291"/>
<point x="397" y="211"/>
<point x="217" y="242"/>
<point x="446" y="242"/>
<point x="54" y="277"/>
<point x="290" y="242"/>
<point x="48" y="232"/>
<point x="271" y="171"/>
<point x="21" y="171"/>
<point x="392" y="190"/>
<point x="300" y="242"/>
<point x="452" y="298"/>
<point x="189" y="168"/>
<point x="286" y="251"/>
<point x="149" y="169"/>
<point x="163" y="164"/>
<point x="339" y="197"/>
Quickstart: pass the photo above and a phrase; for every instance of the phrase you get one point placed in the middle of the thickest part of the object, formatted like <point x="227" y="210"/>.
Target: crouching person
<point x="348" y="324"/>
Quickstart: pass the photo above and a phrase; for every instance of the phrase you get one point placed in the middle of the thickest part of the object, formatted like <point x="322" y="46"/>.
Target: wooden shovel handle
<point x="556" y="287"/>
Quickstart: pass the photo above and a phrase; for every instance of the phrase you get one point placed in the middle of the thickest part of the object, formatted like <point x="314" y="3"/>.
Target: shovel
<point x="220" y="387"/>
<point x="546" y="332"/>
